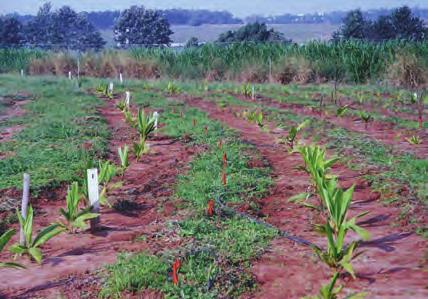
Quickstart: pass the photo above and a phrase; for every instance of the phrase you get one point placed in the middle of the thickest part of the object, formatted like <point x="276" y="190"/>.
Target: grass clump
<point x="61" y="132"/>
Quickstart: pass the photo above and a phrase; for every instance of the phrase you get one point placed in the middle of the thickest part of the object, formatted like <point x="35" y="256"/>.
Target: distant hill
<point x="334" y="17"/>
<point x="106" y="19"/>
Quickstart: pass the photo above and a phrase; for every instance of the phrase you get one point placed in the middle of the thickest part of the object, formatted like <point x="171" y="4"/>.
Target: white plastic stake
<point x="94" y="195"/>
<point x="253" y="92"/>
<point x="22" y="73"/>
<point x="127" y="98"/>
<point x="110" y="87"/>
<point x="69" y="75"/>
<point x="156" y="116"/>
<point x="24" y="205"/>
<point x="121" y="78"/>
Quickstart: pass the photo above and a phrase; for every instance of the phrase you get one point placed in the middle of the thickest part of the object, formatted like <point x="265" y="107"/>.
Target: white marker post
<point x="253" y="93"/>
<point x="120" y="78"/>
<point x="127" y="99"/>
<point x="156" y="116"/>
<point x="110" y="87"/>
<point x="94" y="196"/>
<point x="24" y="205"/>
<point x="22" y="73"/>
<point x="69" y="75"/>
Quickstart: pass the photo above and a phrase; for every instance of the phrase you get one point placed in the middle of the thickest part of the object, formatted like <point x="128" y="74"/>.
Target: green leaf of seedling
<point x="47" y="234"/>
<point x="36" y="254"/>
<point x="4" y="239"/>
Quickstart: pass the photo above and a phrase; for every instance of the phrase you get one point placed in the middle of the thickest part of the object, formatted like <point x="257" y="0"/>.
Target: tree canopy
<point x="140" y="26"/>
<point x="400" y="24"/>
<point x="11" y="32"/>
<point x="254" y="32"/>
<point x="63" y="28"/>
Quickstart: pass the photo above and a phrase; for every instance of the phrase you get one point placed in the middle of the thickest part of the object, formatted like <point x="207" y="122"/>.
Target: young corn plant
<point x="75" y="219"/>
<point x="101" y="89"/>
<point x="414" y="140"/>
<point x="172" y="89"/>
<point x="4" y="239"/>
<point x="337" y="202"/>
<point x="145" y="126"/>
<point x="129" y="118"/>
<point x="317" y="166"/>
<point x="341" y="111"/>
<point x="365" y="117"/>
<point x="124" y="158"/>
<point x="246" y="90"/>
<point x="121" y="105"/>
<point x="106" y="173"/>
<point x="31" y="245"/>
<point x="292" y="134"/>
<point x="328" y="291"/>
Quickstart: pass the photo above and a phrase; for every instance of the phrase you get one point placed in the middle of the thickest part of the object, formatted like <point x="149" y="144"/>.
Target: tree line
<point x="66" y="29"/>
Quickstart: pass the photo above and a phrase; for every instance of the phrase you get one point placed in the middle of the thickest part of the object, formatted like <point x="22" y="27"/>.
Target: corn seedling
<point x="145" y="126"/>
<point x="121" y="105"/>
<point x="414" y="140"/>
<point x="328" y="291"/>
<point x="124" y="158"/>
<point x="366" y="117"/>
<point x="106" y="173"/>
<point x="4" y="239"/>
<point x="101" y="89"/>
<point x="31" y="245"/>
<point x="360" y="97"/>
<point x="337" y="202"/>
<point x="341" y="111"/>
<point x="317" y="166"/>
<point x="246" y="90"/>
<point x="292" y="134"/>
<point x="129" y="118"/>
<point x="75" y="219"/>
<point x="172" y="88"/>
<point x="254" y="117"/>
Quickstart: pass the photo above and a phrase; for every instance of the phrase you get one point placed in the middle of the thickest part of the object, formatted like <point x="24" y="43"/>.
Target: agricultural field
<point x="299" y="33"/>
<point x="212" y="189"/>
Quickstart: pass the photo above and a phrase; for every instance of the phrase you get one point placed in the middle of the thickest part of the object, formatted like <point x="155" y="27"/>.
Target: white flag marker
<point x="94" y="196"/>
<point x="127" y="99"/>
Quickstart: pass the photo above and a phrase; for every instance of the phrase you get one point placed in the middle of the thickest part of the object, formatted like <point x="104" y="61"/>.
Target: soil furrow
<point x="383" y="132"/>
<point x="392" y="257"/>
<point x="146" y="185"/>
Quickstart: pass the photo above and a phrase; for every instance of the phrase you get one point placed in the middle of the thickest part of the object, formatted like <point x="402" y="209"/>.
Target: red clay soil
<point x="146" y="185"/>
<point x="376" y="106"/>
<point x="393" y="264"/>
<point x="383" y="132"/>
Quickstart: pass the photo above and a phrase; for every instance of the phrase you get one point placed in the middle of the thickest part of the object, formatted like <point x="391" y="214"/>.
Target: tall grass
<point x="12" y="59"/>
<point x="349" y="61"/>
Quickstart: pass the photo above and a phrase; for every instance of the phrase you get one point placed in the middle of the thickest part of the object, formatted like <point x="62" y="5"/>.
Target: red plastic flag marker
<point x="210" y="209"/>
<point x="175" y="268"/>
<point x="220" y="144"/>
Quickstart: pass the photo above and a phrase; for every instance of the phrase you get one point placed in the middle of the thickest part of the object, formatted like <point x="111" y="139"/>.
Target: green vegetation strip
<point x="217" y="252"/>
<point x="395" y="173"/>
<point x="62" y="131"/>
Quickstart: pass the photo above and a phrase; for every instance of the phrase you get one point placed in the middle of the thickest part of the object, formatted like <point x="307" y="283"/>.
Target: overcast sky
<point x="239" y="8"/>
